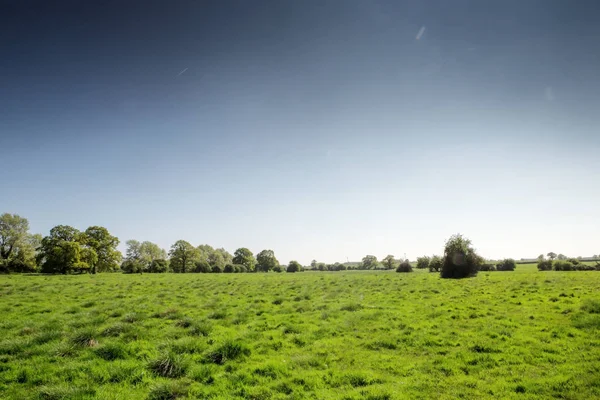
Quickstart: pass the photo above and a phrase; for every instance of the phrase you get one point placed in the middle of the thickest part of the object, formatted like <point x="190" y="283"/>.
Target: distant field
<point x="312" y="335"/>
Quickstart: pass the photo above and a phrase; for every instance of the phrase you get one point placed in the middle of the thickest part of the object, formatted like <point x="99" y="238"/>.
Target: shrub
<point x="561" y="265"/>
<point x="216" y="269"/>
<point x="229" y="350"/>
<point x="277" y="268"/>
<point x="508" y="264"/>
<point x="169" y="365"/>
<point x="202" y="266"/>
<point x="544" y="265"/>
<point x="158" y="266"/>
<point x="131" y="267"/>
<point x="294" y="266"/>
<point x="573" y="261"/>
<point x="423" y="262"/>
<point x="487" y="267"/>
<point x="435" y="264"/>
<point x="229" y="269"/>
<point x="404" y="267"/>
<point x="460" y="259"/>
<point x="239" y="268"/>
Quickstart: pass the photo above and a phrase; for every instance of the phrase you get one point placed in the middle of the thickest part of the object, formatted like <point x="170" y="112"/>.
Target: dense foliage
<point x="460" y="259"/>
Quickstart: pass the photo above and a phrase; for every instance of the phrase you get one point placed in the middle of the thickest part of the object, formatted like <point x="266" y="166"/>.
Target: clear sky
<point x="320" y="129"/>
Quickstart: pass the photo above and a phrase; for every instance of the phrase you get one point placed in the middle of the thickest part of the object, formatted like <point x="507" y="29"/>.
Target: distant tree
<point x="204" y="251"/>
<point x="132" y="266"/>
<point x="266" y="261"/>
<point x="562" y="265"/>
<point x="369" y="262"/>
<point x="227" y="257"/>
<point x="388" y="261"/>
<point x="404" y="267"/>
<point x="105" y="245"/>
<point x="63" y="251"/>
<point x="294" y="266"/>
<point x="13" y="233"/>
<point x="182" y="256"/>
<point x="321" y="266"/>
<point x="277" y="268"/>
<point x="158" y="266"/>
<point x="551" y="255"/>
<point x="435" y="264"/>
<point x="540" y="257"/>
<point x="508" y="264"/>
<point x="561" y="257"/>
<point x="202" y="266"/>
<point x="545" y="265"/>
<point x="243" y="256"/>
<point x="574" y="261"/>
<point x="313" y="264"/>
<point x="460" y="259"/>
<point x="216" y="269"/>
<point x="423" y="262"/>
<point x="215" y="259"/>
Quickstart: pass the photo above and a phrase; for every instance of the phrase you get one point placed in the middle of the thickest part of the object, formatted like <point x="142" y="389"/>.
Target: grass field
<point x="315" y="335"/>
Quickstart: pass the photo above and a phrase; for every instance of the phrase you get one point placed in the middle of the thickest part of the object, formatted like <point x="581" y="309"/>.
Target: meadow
<point x="310" y="335"/>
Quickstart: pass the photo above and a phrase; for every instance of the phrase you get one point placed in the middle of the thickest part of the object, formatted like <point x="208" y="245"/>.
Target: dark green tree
<point x="266" y="261"/>
<point x="243" y="256"/>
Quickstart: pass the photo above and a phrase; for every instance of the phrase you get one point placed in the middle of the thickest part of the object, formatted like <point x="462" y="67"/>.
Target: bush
<point x="294" y="266"/>
<point x="277" y="268"/>
<point x="423" y="262"/>
<point x="239" y="268"/>
<point x="487" y="267"/>
<point x="573" y="261"/>
<point x="544" y="265"/>
<point x="460" y="259"/>
<point x="508" y="264"/>
<point x="131" y="267"/>
<point x="435" y="264"/>
<point x="158" y="266"/>
<point x="561" y="265"/>
<point x="202" y="267"/>
<point x="216" y="269"/>
<point x="404" y="267"/>
<point x="229" y="269"/>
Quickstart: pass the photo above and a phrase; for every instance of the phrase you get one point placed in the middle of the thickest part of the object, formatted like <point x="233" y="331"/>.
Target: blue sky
<point x="321" y="130"/>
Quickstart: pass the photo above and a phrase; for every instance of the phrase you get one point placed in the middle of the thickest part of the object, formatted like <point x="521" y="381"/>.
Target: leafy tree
<point x="229" y="269"/>
<point x="435" y="264"/>
<point x="145" y="253"/>
<point x="13" y="233"/>
<point x="151" y="251"/>
<point x="215" y="259"/>
<point x="508" y="264"/>
<point x="545" y="265"/>
<point x="277" y="268"/>
<point x="313" y="264"/>
<point x="243" y="256"/>
<point x="321" y="266"/>
<point x="217" y="269"/>
<point x="204" y="250"/>
<point x="105" y="245"/>
<point x="158" y="266"/>
<point x="561" y="257"/>
<point x="183" y="256"/>
<point x="540" y="257"/>
<point x="423" y="262"/>
<point x="551" y="255"/>
<point x="266" y="261"/>
<point x="404" y="267"/>
<point x="63" y="251"/>
<point x="202" y="266"/>
<point x="294" y="266"/>
<point x="227" y="257"/>
<point x="132" y="266"/>
<point x="388" y="261"/>
<point x="460" y="259"/>
<point x="369" y="262"/>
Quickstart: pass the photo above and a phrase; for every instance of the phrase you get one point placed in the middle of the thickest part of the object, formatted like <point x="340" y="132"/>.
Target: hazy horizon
<point x="322" y="130"/>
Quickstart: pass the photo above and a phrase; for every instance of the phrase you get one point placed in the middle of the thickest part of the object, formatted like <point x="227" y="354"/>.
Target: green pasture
<point x="311" y="335"/>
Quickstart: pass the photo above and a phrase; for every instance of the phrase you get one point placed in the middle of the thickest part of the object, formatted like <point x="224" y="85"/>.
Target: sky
<point x="322" y="130"/>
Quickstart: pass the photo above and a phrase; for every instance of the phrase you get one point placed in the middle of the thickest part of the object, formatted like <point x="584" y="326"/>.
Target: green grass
<point x="313" y="335"/>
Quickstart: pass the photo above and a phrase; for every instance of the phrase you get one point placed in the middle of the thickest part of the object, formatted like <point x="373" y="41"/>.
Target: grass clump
<point x="229" y="350"/>
<point x="169" y="390"/>
<point x="111" y="351"/>
<point x="169" y="365"/>
<point x="84" y="338"/>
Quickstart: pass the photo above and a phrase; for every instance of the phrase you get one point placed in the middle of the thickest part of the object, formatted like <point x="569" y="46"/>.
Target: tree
<point x="266" y="261"/>
<point x="369" y="262"/>
<point x="508" y="264"/>
<point x="294" y="266"/>
<point x="540" y="257"/>
<point x="158" y="266"/>
<point x="243" y="256"/>
<point x="551" y="255"/>
<point x="388" y="261"/>
<point x="460" y="259"/>
<point x="183" y="256"/>
<point x="227" y="257"/>
<point x="105" y="245"/>
<point x="229" y="269"/>
<point x="561" y="257"/>
<point x="423" y="262"/>
<point x="132" y="266"/>
<point x="545" y="265"/>
<point x="13" y="232"/>
<point x="151" y="251"/>
<point x="313" y="264"/>
<point x="435" y="264"/>
<point x="145" y="254"/>
<point x="202" y="266"/>
<point x="204" y="250"/>
<point x="63" y="251"/>
<point x="215" y="259"/>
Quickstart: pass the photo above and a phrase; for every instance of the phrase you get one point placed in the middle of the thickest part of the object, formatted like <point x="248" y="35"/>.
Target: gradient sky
<point x="320" y="129"/>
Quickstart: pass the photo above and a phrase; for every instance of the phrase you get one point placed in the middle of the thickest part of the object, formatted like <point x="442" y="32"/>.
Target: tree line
<point x="67" y="250"/>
